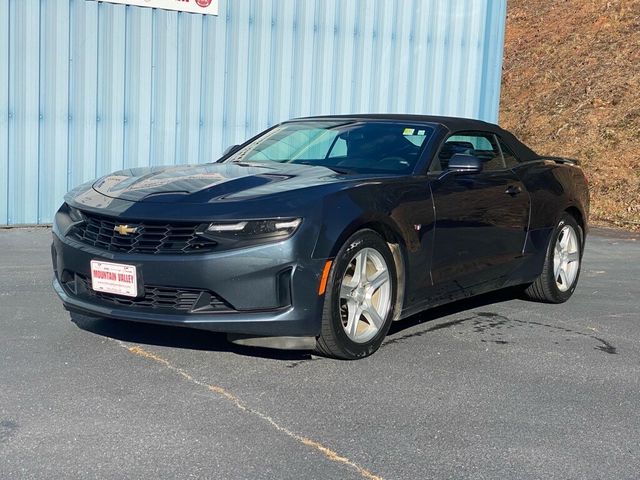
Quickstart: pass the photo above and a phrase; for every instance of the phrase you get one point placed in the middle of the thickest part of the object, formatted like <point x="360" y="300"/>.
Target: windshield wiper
<point x="344" y="171"/>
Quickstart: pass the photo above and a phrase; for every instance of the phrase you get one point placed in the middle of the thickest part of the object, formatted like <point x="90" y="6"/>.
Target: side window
<point x="481" y="145"/>
<point x="339" y="148"/>
<point x="509" y="157"/>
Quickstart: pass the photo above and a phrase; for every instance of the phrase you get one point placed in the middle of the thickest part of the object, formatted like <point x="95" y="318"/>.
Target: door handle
<point x="513" y="190"/>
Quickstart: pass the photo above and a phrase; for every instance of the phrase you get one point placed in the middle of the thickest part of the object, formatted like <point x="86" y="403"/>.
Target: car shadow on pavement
<point x="453" y="308"/>
<point x="194" y="339"/>
<point x="177" y="337"/>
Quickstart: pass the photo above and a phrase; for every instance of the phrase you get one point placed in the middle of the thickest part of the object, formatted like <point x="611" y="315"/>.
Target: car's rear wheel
<point x="559" y="276"/>
<point x="359" y="299"/>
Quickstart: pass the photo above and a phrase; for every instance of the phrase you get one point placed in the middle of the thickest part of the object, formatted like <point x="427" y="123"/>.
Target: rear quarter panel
<point x="554" y="188"/>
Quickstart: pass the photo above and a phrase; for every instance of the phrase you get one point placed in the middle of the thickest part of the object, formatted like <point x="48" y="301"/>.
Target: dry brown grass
<point x="571" y="87"/>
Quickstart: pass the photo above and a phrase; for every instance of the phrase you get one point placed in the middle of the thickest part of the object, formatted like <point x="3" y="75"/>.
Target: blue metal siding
<point x="87" y="87"/>
<point x="5" y="115"/>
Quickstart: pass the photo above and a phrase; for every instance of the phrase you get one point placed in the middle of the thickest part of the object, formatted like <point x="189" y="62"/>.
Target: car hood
<point x="211" y="182"/>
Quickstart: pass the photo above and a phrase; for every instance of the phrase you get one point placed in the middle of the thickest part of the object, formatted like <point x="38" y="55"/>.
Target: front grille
<point x="149" y="237"/>
<point x="155" y="297"/>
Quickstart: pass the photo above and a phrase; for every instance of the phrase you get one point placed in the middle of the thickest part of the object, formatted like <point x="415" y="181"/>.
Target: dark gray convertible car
<point x="320" y="232"/>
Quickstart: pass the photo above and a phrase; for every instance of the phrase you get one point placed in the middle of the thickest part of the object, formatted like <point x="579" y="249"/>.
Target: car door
<point x="481" y="218"/>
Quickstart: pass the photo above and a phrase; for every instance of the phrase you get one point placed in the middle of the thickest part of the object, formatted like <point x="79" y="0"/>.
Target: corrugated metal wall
<point x="87" y="87"/>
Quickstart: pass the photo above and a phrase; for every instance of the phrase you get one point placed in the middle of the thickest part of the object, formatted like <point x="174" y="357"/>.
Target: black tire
<point x="333" y="340"/>
<point x="546" y="288"/>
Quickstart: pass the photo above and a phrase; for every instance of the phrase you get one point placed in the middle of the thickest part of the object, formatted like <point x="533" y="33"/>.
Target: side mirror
<point x="463" y="163"/>
<point x="230" y="150"/>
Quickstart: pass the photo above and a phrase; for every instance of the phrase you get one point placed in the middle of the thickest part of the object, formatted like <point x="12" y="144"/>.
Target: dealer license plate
<point x="114" y="278"/>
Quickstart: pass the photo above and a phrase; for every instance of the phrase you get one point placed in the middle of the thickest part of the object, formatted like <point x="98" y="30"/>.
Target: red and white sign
<point x="209" y="7"/>
<point x="114" y="278"/>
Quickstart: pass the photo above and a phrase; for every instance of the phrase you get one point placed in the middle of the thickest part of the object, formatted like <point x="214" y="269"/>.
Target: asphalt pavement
<point x="490" y="388"/>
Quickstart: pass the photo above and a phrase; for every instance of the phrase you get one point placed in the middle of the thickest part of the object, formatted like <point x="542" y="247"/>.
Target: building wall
<point x="87" y="87"/>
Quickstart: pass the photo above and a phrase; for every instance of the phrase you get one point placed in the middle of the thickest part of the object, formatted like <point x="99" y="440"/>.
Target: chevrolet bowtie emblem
<point x="124" y="229"/>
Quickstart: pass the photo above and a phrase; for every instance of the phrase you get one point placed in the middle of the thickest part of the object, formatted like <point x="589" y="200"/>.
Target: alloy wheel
<point x="365" y="295"/>
<point x="566" y="258"/>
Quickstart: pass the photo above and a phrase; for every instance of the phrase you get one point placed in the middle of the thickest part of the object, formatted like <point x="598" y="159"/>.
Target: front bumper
<point x="270" y="290"/>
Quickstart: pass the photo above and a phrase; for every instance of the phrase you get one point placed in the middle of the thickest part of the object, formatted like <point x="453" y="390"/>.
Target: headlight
<point x="252" y="231"/>
<point x="255" y="228"/>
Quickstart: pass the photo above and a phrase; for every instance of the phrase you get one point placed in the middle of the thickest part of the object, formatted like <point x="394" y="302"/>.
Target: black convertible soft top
<point x="453" y="124"/>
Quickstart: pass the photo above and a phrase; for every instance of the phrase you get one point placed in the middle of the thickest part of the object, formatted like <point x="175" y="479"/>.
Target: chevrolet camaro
<point x="320" y="232"/>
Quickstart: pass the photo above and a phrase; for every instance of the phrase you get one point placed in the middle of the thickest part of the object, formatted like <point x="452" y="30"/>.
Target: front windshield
<point x="343" y="145"/>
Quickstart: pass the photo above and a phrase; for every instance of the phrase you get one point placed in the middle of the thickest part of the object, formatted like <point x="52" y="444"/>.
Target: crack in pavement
<point x="328" y="453"/>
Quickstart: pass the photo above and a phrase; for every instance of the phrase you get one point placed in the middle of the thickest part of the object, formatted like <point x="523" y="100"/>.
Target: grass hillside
<point x="571" y="87"/>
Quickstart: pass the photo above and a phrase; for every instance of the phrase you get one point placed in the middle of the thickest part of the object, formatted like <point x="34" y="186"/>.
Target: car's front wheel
<point x="559" y="276"/>
<point x="359" y="299"/>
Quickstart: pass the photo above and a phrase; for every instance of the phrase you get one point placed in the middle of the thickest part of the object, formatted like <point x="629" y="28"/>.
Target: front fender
<point x="402" y="212"/>
<point x="391" y="209"/>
